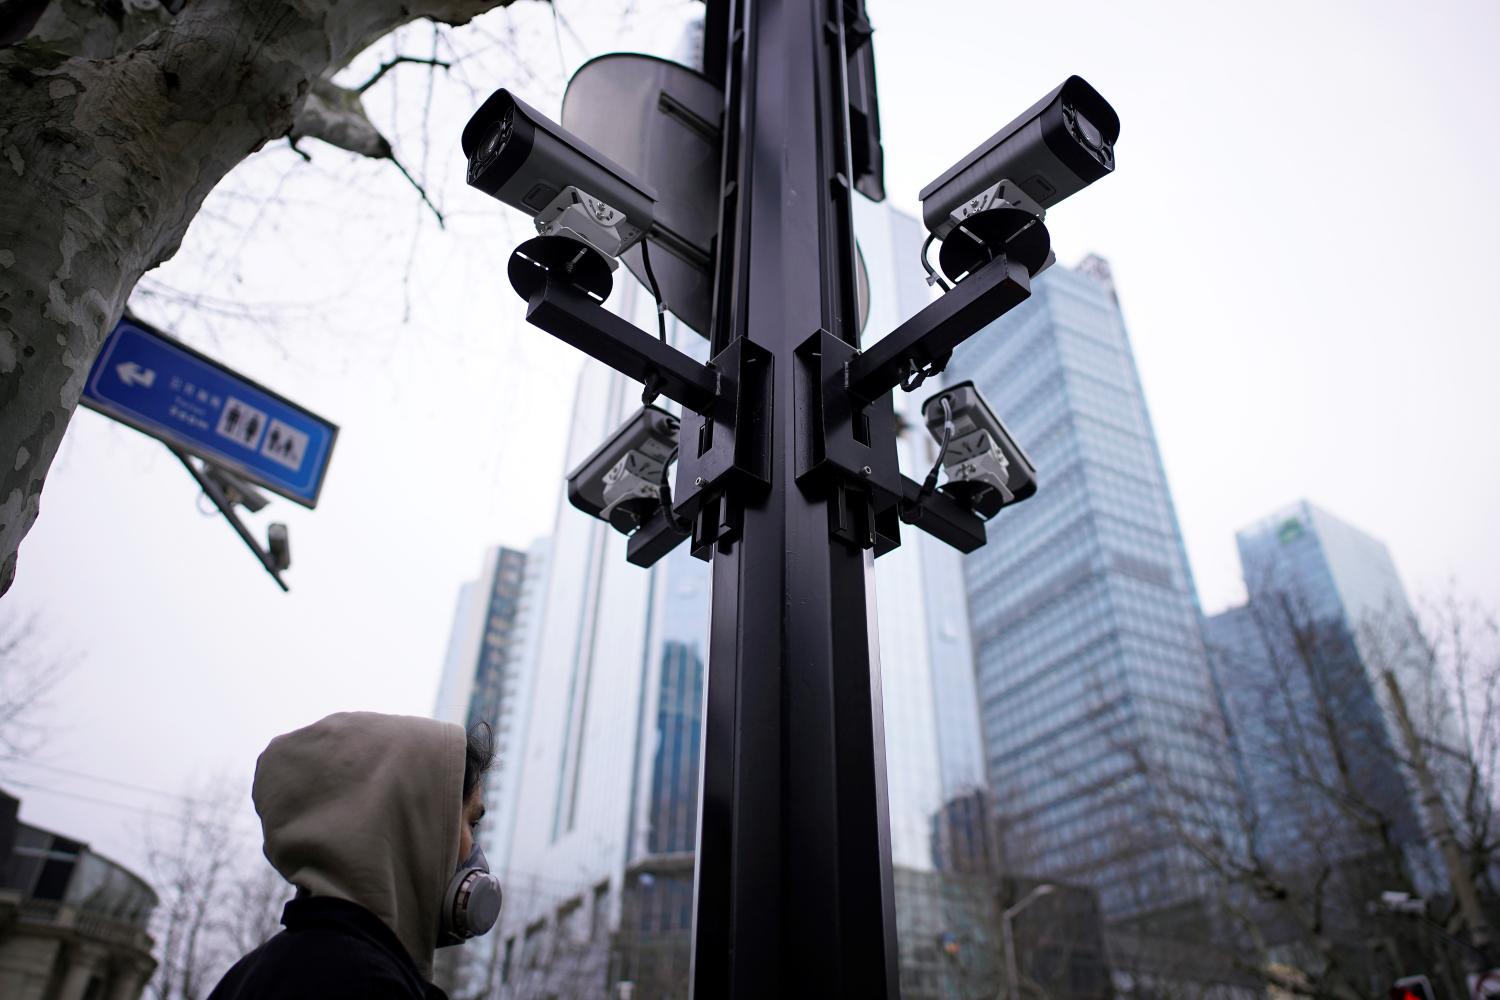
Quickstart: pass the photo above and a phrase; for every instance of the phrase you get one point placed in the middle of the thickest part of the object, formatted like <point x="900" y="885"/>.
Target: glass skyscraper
<point x="486" y="673"/>
<point x="1098" y="712"/>
<point x="1302" y="665"/>
<point x="487" y="676"/>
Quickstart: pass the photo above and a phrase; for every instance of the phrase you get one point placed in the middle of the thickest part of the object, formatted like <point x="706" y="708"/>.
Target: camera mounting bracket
<point x="563" y="258"/>
<point x="578" y="215"/>
<point x="655" y="538"/>
<point x="566" y="304"/>
<point x="1001" y="231"/>
<point x="846" y="444"/>
<point x="212" y="486"/>
<point x="941" y="516"/>
<point x="927" y="339"/>
<point x="722" y="450"/>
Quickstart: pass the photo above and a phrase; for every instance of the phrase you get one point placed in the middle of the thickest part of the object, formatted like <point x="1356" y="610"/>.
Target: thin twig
<point x="420" y="190"/>
<point x="392" y="64"/>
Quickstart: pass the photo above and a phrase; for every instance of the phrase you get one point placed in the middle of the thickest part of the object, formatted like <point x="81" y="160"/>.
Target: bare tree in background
<point x="192" y="864"/>
<point x="28" y="674"/>
<point x="1465" y="644"/>
<point x="1331" y="822"/>
<point x="258" y="893"/>
<point x="116" y="121"/>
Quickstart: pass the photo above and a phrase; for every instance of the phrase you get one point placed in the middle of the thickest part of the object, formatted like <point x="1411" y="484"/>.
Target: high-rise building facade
<point x="1302" y="666"/>
<point x="1098" y="711"/>
<point x="487" y="676"/>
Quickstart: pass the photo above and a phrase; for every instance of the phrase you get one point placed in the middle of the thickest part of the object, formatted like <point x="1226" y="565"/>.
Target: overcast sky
<point x="1302" y="232"/>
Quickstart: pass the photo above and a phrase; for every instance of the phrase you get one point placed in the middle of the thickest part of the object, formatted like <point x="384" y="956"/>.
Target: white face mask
<point x="471" y="903"/>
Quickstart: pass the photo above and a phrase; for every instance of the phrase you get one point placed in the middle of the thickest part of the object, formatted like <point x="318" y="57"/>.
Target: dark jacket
<point x="331" y="950"/>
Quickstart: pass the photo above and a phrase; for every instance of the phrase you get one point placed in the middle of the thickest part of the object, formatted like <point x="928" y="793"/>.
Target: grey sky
<point x="1301" y="229"/>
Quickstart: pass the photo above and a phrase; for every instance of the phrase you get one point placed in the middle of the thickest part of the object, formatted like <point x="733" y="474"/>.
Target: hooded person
<point x="371" y="818"/>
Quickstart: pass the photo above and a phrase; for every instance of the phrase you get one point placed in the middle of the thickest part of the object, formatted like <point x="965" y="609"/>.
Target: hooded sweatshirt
<point x="367" y="808"/>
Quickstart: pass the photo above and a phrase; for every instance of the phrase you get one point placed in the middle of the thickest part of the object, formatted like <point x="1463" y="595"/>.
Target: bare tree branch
<point x="391" y="64"/>
<point x="28" y="675"/>
<point x="113" y="130"/>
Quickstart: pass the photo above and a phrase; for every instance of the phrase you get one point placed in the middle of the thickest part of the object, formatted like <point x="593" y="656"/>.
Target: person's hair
<point x="479" y="756"/>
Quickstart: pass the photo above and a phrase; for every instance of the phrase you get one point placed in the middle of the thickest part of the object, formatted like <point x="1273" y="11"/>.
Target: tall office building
<point x="600" y="866"/>
<point x="487" y="676"/>
<point x="1095" y="695"/>
<point x="1302" y="665"/>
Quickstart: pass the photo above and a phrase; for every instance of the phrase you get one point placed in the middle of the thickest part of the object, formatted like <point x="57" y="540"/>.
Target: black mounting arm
<point x="941" y="516"/>
<point x="575" y="318"/>
<point x="220" y="500"/>
<point x="923" y="343"/>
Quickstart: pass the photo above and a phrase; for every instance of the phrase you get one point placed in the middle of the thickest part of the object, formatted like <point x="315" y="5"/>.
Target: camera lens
<point x="1086" y="133"/>
<point x="493" y="144"/>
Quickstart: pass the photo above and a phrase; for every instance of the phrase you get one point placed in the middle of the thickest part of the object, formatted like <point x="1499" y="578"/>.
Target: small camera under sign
<point x="279" y="546"/>
<point x="986" y="469"/>
<point x="624" y="480"/>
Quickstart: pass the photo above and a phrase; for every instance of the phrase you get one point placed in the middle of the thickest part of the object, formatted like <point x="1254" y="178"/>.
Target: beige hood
<point x="367" y="808"/>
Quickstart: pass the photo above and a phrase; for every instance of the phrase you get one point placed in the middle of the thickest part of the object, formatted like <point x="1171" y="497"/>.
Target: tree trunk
<point x="115" y="124"/>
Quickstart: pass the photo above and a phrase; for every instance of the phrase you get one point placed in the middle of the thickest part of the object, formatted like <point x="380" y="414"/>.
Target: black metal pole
<point x="793" y="894"/>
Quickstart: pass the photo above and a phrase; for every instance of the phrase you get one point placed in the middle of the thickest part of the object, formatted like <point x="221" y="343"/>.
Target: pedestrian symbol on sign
<point x="241" y="422"/>
<point x="284" y="444"/>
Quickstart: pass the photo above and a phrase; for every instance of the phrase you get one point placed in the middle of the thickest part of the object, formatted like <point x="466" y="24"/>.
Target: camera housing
<point x="279" y="546"/>
<point x="987" y="470"/>
<point x="521" y="157"/>
<point x="1058" y="147"/>
<point x="624" y="480"/>
<point x="236" y="490"/>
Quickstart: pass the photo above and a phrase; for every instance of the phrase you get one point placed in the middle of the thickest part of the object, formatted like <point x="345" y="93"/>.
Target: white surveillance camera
<point x="986" y="468"/>
<point x="569" y="188"/>
<point x="624" y="480"/>
<point x="1058" y="147"/>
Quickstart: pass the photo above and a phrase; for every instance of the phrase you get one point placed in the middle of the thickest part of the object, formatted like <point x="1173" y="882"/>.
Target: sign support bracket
<point x="214" y="493"/>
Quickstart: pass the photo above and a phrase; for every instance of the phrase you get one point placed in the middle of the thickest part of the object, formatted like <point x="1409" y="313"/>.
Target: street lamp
<point x="1012" y="991"/>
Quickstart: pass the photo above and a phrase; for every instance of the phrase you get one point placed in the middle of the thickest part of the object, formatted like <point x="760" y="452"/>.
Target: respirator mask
<point x="471" y="903"/>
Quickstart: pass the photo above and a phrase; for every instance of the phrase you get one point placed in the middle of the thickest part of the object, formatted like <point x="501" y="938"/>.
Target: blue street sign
<point x="165" y="389"/>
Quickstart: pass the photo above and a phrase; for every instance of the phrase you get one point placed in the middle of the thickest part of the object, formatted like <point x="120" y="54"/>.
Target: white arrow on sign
<point x="133" y="374"/>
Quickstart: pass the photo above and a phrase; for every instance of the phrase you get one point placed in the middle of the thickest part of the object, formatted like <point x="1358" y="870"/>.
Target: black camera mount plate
<point x="1005" y="231"/>
<point x="579" y="264"/>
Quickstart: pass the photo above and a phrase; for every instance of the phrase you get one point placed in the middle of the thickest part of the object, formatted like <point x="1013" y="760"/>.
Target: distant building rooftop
<point x="72" y="922"/>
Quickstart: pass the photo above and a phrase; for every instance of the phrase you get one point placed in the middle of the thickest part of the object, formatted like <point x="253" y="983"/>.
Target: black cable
<point x="929" y="485"/>
<point x="671" y="457"/>
<point x="661" y="307"/>
<point x="932" y="276"/>
<point x="666" y="494"/>
<point x="652" y="389"/>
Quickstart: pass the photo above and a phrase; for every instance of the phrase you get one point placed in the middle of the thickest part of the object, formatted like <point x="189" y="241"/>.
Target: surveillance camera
<point x="529" y="162"/>
<point x="1060" y="146"/>
<point x="236" y="490"/>
<point x="624" y="480"/>
<point x="279" y="545"/>
<point x="986" y="468"/>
